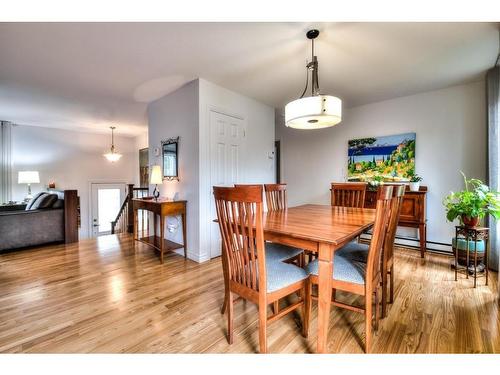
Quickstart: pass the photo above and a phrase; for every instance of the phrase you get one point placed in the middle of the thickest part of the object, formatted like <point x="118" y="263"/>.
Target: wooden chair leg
<point x="223" y="309"/>
<point x="391" y="285"/>
<point x="230" y="318"/>
<point x="384" y="294"/>
<point x="368" y="321"/>
<point x="377" y="308"/>
<point x="306" y="309"/>
<point x="263" y="328"/>
<point x="276" y="307"/>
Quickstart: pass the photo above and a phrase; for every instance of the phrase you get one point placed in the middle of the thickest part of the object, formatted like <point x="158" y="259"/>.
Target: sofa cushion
<point x="344" y="269"/>
<point x="59" y="203"/>
<point x="44" y="201"/>
<point x="33" y="200"/>
<point x="280" y="253"/>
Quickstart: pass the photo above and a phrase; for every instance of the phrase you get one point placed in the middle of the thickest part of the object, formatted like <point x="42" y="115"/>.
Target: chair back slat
<point x="348" y="194"/>
<point x="276" y="197"/>
<point x="382" y="214"/>
<point x="239" y="214"/>
<point x="398" y="192"/>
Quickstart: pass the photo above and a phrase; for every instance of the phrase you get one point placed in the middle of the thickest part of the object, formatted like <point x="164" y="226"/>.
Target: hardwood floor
<point x="105" y="296"/>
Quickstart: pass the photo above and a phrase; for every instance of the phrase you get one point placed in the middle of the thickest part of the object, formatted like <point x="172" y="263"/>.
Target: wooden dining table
<point x="323" y="230"/>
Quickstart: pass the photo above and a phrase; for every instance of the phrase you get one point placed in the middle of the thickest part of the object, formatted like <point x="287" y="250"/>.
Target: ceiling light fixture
<point x="316" y="111"/>
<point x="112" y="156"/>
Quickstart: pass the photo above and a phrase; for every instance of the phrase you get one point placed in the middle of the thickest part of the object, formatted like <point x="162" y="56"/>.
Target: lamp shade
<point x="28" y="177"/>
<point x="112" y="156"/>
<point x="313" y="112"/>
<point x="156" y="177"/>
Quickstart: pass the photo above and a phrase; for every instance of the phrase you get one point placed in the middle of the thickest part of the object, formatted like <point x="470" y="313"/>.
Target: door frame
<point x="98" y="181"/>
<point x="242" y="173"/>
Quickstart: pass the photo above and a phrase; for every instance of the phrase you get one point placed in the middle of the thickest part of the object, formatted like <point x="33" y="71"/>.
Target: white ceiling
<point x="87" y="76"/>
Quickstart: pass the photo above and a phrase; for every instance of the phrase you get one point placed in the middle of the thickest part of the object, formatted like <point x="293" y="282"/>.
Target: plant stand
<point x="471" y="234"/>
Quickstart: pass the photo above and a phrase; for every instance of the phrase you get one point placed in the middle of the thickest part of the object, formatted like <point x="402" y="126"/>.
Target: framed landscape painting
<point x="387" y="158"/>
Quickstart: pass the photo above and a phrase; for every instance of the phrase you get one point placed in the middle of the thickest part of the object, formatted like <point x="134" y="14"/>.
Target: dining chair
<point x="348" y="194"/>
<point x="352" y="276"/>
<point x="248" y="274"/>
<point x="359" y="251"/>
<point x="276" y="198"/>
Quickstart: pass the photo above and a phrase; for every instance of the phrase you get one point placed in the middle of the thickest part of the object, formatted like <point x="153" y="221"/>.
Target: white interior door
<point x="105" y="204"/>
<point x="227" y="136"/>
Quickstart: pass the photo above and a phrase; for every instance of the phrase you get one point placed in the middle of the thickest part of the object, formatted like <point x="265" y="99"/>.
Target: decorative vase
<point x="470" y="221"/>
<point x="414" y="186"/>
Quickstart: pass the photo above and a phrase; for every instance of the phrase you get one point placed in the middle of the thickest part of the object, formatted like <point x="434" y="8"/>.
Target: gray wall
<point x="450" y="126"/>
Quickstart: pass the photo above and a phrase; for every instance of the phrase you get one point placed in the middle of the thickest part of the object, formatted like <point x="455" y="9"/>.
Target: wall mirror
<point x="170" y="153"/>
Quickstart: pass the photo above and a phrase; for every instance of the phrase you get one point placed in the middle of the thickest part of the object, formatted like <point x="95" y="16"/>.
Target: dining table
<point x="321" y="229"/>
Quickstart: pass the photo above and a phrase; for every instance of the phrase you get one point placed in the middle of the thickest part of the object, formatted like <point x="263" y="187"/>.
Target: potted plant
<point x="414" y="181"/>
<point x="473" y="203"/>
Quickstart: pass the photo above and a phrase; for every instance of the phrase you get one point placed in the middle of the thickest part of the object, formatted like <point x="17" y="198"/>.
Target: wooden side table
<point x="472" y="234"/>
<point x="161" y="208"/>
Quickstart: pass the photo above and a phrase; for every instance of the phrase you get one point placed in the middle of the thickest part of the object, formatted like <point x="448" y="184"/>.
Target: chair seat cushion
<point x="280" y="275"/>
<point x="344" y="269"/>
<point x="280" y="253"/>
<point x="461" y="244"/>
<point x="355" y="251"/>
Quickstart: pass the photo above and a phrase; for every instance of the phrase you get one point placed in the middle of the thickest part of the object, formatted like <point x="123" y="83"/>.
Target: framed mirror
<point x="170" y="153"/>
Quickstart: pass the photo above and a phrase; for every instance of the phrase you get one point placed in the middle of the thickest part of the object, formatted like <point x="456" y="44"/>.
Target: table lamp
<point x="156" y="179"/>
<point x="28" y="177"/>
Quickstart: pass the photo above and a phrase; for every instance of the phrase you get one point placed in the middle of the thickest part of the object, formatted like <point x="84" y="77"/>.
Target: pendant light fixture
<point x="316" y="111"/>
<point x="112" y="155"/>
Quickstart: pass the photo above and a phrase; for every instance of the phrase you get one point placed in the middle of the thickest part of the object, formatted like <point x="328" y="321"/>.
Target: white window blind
<point x="5" y="161"/>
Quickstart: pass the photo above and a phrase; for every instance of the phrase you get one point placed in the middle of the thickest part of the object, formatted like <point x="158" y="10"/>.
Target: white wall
<point x="176" y="115"/>
<point x="185" y="113"/>
<point x="450" y="127"/>
<point x="257" y="167"/>
<point x="71" y="159"/>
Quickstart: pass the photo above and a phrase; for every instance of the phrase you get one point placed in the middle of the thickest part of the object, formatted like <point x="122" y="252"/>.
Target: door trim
<point x="208" y="182"/>
<point x="98" y="181"/>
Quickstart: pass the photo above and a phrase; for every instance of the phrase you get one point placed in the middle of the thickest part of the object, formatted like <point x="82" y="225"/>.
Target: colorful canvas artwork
<point x="388" y="158"/>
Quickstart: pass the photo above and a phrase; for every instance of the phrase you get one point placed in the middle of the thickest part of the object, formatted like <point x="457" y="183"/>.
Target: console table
<point x="412" y="212"/>
<point x="160" y="208"/>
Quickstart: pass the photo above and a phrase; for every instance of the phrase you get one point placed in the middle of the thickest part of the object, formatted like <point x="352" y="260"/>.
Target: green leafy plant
<point x="475" y="201"/>
<point x="415" y="178"/>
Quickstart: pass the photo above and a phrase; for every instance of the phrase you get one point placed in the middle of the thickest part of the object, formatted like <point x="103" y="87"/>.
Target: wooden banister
<point x="124" y="220"/>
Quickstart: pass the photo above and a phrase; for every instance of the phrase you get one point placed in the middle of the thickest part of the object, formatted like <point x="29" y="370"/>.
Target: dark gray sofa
<point x="28" y="228"/>
<point x="55" y="222"/>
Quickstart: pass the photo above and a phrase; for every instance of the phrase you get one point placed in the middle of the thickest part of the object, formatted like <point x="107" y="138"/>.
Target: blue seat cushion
<point x="355" y="251"/>
<point x="280" y="253"/>
<point x="280" y="275"/>
<point x="461" y="244"/>
<point x="344" y="269"/>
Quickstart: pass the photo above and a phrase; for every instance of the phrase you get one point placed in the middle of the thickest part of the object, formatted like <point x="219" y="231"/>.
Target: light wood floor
<point x="105" y="296"/>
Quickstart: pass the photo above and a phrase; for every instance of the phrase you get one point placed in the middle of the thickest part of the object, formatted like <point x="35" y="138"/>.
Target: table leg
<point x="468" y="258"/>
<point x="422" y="229"/>
<point x="136" y="229"/>
<point x="162" y="225"/>
<point x="475" y="259"/>
<point x="184" y="238"/>
<point x="155" y="219"/>
<point x="486" y="261"/>
<point x="325" y="272"/>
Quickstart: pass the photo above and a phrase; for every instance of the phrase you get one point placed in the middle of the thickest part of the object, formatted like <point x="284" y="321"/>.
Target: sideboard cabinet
<point x="412" y="212"/>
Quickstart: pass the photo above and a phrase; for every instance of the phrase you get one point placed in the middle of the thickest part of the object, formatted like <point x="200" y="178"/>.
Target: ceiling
<point x="87" y="76"/>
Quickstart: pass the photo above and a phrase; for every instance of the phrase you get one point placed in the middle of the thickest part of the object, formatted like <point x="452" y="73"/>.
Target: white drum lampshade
<point x="313" y="112"/>
<point x="28" y="177"/>
<point x="156" y="178"/>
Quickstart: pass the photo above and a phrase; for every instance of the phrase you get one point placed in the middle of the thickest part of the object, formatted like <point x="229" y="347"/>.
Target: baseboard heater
<point x="436" y="247"/>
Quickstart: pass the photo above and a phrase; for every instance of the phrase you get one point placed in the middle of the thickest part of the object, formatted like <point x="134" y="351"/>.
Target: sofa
<point x="49" y="217"/>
